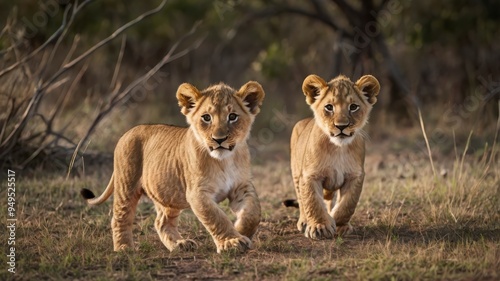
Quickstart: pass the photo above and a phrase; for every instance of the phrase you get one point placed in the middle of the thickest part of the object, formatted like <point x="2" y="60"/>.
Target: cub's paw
<point x="240" y="244"/>
<point x="123" y="248"/>
<point x="320" y="231"/>
<point x="302" y="225"/>
<point x="186" y="245"/>
<point x="344" y="229"/>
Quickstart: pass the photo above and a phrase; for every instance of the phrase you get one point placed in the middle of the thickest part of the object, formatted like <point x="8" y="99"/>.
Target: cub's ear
<point x="312" y="86"/>
<point x="252" y="96"/>
<point x="369" y="87"/>
<point x="187" y="95"/>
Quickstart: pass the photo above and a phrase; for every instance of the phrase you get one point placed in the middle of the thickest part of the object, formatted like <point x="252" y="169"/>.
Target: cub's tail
<point x="89" y="196"/>
<point x="291" y="203"/>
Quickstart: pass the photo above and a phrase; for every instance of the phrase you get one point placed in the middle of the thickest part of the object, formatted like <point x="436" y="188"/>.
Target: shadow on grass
<point x="405" y="234"/>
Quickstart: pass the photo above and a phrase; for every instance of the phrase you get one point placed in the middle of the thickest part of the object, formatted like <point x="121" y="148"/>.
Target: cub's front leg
<point x="225" y="236"/>
<point x="347" y="200"/>
<point x="320" y="225"/>
<point x="245" y="204"/>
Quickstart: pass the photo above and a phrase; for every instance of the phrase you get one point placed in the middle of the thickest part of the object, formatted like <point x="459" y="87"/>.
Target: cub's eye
<point x="353" y="107"/>
<point x="206" y="118"/>
<point x="233" y="117"/>
<point x="329" y="108"/>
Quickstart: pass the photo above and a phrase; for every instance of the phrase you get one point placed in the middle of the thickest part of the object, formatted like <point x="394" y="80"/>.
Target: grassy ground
<point x="409" y="225"/>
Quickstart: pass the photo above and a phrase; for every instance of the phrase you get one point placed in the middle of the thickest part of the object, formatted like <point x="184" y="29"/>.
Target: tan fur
<point x="180" y="168"/>
<point x="325" y="163"/>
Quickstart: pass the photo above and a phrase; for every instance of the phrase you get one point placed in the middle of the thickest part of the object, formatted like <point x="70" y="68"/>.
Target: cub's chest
<point x="224" y="180"/>
<point x="341" y="166"/>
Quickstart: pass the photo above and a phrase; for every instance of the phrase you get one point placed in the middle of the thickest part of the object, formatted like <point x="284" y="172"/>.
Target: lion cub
<point x="195" y="167"/>
<point x="328" y="153"/>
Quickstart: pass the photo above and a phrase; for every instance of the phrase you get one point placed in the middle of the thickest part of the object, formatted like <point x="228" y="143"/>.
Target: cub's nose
<point x="341" y="127"/>
<point x="219" y="141"/>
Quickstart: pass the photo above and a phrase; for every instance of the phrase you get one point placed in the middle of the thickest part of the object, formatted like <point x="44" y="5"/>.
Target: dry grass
<point x="409" y="225"/>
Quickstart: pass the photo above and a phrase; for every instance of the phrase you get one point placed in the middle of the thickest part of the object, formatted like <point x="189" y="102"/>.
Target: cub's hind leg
<point x="166" y="225"/>
<point x="302" y="222"/>
<point x="124" y="207"/>
<point x="127" y="188"/>
<point x="328" y="196"/>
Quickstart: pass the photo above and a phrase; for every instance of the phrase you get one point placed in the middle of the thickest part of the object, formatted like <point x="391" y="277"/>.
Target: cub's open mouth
<point x="230" y="148"/>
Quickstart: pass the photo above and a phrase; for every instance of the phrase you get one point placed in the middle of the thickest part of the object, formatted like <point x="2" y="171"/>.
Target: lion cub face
<point x="341" y="107"/>
<point x="220" y="116"/>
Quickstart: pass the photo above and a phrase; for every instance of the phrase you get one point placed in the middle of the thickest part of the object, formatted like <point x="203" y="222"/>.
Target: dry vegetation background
<point x="74" y="76"/>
